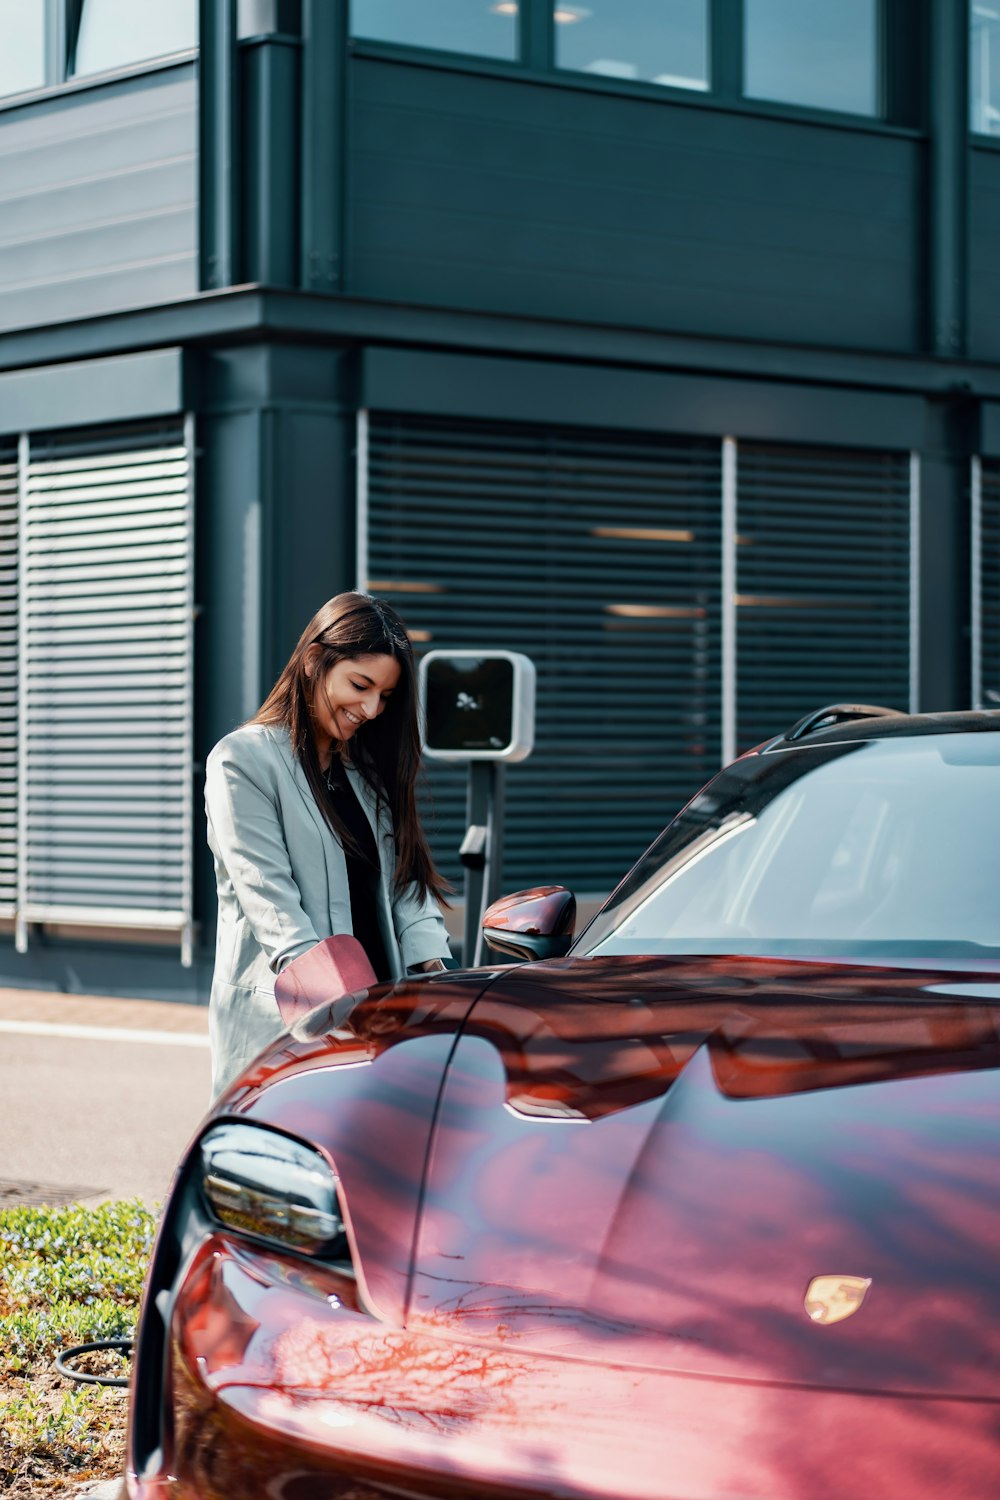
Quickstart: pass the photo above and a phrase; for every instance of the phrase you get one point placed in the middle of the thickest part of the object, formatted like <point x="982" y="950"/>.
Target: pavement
<point x="100" y="1095"/>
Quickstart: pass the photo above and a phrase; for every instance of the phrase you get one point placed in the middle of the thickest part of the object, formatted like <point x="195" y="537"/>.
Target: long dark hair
<point x="387" y="753"/>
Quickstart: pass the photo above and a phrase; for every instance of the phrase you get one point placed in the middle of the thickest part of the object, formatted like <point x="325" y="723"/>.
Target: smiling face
<point x="354" y="691"/>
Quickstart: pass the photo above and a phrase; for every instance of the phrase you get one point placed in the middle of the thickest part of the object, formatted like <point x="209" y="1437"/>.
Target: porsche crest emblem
<point x="831" y="1299"/>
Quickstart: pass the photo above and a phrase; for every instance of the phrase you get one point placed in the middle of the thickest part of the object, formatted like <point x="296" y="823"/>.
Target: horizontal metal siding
<point x="822" y="582"/>
<point x="8" y="678"/>
<point x="519" y="198"/>
<point x="984" y="273"/>
<point x="106" y="680"/>
<point x="598" y="556"/>
<point x="98" y="200"/>
<point x="989" y="582"/>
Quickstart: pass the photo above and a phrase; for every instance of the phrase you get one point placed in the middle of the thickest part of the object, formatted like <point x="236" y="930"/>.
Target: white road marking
<point x="104" y="1033"/>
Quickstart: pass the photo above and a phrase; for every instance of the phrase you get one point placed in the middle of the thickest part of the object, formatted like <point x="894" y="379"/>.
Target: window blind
<point x="988" y="583"/>
<point x="8" y="678"/>
<point x="597" y="554"/>
<point x="822" y="583"/>
<point x="106" y="681"/>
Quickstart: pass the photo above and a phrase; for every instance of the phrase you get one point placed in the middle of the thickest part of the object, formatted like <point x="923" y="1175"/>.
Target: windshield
<point x="880" y="848"/>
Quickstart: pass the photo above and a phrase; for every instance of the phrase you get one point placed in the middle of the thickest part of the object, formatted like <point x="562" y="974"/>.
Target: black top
<point x="362" y="868"/>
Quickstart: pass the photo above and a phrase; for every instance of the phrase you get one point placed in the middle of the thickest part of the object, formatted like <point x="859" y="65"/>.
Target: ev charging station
<point x="479" y="707"/>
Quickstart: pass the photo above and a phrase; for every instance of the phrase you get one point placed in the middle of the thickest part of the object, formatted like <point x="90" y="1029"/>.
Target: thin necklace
<point x="332" y="777"/>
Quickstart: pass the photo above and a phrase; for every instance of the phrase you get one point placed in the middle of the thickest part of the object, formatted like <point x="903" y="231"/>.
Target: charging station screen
<point x="470" y="703"/>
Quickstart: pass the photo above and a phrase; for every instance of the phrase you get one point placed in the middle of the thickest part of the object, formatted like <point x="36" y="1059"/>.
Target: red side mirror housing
<point x="531" y="924"/>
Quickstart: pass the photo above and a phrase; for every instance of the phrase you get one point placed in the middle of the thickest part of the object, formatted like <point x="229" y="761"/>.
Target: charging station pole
<point x="479" y="707"/>
<point x="482" y="851"/>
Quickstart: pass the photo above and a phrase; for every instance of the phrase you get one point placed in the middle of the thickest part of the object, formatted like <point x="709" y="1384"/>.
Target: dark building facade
<point x="660" y="342"/>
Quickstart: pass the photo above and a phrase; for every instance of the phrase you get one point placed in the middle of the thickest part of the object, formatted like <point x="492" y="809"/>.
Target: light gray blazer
<point x="282" y="884"/>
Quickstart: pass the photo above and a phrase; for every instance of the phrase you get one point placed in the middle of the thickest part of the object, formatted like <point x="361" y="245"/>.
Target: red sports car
<point x="705" y="1208"/>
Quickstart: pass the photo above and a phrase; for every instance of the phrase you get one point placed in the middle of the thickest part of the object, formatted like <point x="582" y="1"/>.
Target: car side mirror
<point x="531" y="924"/>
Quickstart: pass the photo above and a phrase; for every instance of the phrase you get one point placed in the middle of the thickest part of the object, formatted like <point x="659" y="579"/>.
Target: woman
<point x="313" y="823"/>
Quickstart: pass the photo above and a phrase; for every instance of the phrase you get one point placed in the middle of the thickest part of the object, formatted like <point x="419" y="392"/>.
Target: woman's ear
<point x="310" y="659"/>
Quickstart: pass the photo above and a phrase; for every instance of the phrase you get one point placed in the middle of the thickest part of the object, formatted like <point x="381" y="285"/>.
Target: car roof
<point x="824" y="727"/>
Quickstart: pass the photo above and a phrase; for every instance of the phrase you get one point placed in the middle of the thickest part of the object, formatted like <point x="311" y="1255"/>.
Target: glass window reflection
<point x="849" y="844"/>
<point x="984" y="68"/>
<point x="665" y="42"/>
<point x="22" y="45"/>
<point x="814" y="53"/>
<point x="116" y="33"/>
<point x="484" y="28"/>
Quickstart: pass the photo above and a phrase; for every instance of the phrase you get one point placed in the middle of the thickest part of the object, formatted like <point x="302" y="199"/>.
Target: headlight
<point x="270" y="1186"/>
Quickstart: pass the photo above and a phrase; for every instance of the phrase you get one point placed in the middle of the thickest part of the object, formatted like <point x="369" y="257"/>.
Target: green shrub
<point x="70" y="1429"/>
<point x="67" y="1276"/>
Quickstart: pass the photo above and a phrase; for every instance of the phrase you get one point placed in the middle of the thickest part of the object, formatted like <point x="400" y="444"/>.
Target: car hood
<point x="649" y="1162"/>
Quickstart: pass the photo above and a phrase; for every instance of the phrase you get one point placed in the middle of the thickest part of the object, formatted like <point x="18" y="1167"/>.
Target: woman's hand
<point x="429" y="966"/>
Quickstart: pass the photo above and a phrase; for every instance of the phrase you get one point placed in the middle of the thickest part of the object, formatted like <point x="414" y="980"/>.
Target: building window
<point x="484" y="28"/>
<point x="823" y="557"/>
<point x="601" y="554"/>
<point x="830" y="55"/>
<point x="813" y="53"/>
<point x="118" y="33"/>
<point x="596" y="553"/>
<point x="22" y="49"/>
<point x="664" y="44"/>
<point x="9" y="666"/>
<point x="984" y="68"/>
<point x="986" y="583"/>
<point x="97" y="680"/>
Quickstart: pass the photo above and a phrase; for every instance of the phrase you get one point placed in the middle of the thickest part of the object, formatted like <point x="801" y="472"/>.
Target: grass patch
<point x="67" y="1276"/>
